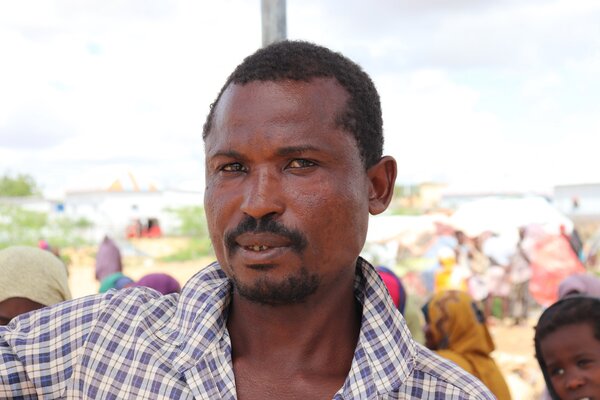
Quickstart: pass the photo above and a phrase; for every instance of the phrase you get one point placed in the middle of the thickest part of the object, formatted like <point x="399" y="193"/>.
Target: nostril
<point x="575" y="382"/>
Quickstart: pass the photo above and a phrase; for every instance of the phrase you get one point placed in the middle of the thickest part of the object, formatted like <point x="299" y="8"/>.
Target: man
<point x="293" y="168"/>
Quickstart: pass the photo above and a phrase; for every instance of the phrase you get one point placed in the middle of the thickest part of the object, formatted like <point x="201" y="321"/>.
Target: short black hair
<point x="571" y="310"/>
<point x="303" y="61"/>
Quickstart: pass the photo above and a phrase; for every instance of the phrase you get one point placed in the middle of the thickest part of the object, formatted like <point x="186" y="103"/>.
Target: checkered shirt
<point x="136" y="344"/>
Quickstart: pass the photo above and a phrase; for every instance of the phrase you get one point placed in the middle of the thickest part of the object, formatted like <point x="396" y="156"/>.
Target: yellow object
<point x="33" y="273"/>
<point x="460" y="336"/>
<point x="450" y="277"/>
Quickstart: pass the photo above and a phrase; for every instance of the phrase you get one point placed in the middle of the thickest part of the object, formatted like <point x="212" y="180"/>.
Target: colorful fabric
<point x="137" y="344"/>
<point x="581" y="284"/>
<point x="552" y="261"/>
<point x="460" y="335"/>
<point x="394" y="286"/>
<point x="108" y="259"/>
<point x="33" y="273"/>
<point x="115" y="281"/>
<point x="164" y="283"/>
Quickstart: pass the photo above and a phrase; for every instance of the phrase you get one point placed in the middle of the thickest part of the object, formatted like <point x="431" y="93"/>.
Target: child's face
<point x="572" y="356"/>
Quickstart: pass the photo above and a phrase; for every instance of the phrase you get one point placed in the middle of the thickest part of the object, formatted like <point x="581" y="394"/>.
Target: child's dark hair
<point x="571" y="310"/>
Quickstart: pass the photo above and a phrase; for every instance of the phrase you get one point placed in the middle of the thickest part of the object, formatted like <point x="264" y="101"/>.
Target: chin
<point x="290" y="290"/>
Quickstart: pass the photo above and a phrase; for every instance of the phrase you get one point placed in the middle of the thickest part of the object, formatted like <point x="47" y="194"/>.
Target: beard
<point x="293" y="289"/>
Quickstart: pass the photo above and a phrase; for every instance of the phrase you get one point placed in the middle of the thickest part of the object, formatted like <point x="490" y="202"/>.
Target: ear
<point x="382" y="177"/>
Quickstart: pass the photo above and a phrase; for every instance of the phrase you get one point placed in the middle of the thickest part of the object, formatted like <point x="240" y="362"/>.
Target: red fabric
<point x="393" y="287"/>
<point x="553" y="260"/>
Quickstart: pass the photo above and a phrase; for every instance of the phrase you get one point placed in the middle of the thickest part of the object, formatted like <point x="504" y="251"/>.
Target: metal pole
<point x="273" y="21"/>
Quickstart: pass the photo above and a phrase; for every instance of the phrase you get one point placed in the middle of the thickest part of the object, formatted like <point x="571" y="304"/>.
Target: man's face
<point x="287" y="195"/>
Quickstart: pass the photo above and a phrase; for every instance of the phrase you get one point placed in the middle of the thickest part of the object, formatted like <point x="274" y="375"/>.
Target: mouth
<point x="260" y="242"/>
<point x="261" y="249"/>
<point x="257" y="248"/>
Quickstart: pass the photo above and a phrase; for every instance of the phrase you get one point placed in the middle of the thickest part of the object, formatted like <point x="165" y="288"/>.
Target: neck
<point x="318" y="334"/>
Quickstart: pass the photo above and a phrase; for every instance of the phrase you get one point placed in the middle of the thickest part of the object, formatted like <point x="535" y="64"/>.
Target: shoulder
<point x="457" y="359"/>
<point x="41" y="348"/>
<point x="434" y="377"/>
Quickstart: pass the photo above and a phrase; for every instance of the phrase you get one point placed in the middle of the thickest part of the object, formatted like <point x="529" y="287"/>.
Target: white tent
<point x="506" y="214"/>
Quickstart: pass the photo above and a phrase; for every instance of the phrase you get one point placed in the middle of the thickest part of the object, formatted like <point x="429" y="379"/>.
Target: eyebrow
<point x="290" y="150"/>
<point x="226" y="153"/>
<point x="284" y="151"/>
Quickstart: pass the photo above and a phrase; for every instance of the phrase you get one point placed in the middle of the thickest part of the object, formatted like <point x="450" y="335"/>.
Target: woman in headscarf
<point x="30" y="278"/>
<point x="164" y="283"/>
<point x="115" y="281"/>
<point x="108" y="259"/>
<point x="579" y="284"/>
<point x="455" y="329"/>
<point x="405" y="304"/>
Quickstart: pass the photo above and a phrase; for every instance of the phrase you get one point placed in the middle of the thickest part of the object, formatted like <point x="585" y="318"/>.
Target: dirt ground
<point x="514" y="344"/>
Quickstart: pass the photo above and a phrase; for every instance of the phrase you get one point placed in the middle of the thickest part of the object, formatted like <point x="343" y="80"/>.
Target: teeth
<point x="257" y="247"/>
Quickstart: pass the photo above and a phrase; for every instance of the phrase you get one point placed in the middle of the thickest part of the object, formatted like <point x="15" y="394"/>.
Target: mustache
<point x="265" y="225"/>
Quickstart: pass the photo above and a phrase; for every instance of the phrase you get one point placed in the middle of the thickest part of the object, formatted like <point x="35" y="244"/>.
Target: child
<point x="567" y="347"/>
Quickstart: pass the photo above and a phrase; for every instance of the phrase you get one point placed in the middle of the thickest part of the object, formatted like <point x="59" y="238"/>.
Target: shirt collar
<point x="383" y="359"/>
<point x="385" y="354"/>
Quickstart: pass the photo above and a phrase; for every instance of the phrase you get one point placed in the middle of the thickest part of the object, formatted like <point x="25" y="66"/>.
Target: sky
<point x="480" y="95"/>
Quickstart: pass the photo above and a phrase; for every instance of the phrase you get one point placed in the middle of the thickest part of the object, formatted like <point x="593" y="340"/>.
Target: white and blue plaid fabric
<point x="136" y="344"/>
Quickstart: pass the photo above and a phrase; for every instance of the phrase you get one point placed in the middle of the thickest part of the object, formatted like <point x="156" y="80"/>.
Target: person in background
<point x="478" y="285"/>
<point x="520" y="273"/>
<point x="450" y="275"/>
<point x="115" y="281"/>
<point x="579" y="284"/>
<point x="408" y="308"/>
<point x="163" y="283"/>
<point x="499" y="250"/>
<point x="573" y="285"/>
<point x="456" y="330"/>
<point x="30" y="278"/>
<point x="463" y="250"/>
<point x="108" y="259"/>
<point x="567" y="348"/>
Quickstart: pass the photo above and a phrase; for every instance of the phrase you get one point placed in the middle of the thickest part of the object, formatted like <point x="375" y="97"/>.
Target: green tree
<point x="191" y="221"/>
<point x="18" y="186"/>
<point x="19" y="226"/>
<point x="192" y="224"/>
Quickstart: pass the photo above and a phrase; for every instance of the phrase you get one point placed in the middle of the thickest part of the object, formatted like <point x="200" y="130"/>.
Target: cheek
<point x="216" y="205"/>
<point x="337" y="216"/>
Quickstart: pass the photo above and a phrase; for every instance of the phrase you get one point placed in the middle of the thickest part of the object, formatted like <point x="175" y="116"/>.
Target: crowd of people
<point x="294" y="167"/>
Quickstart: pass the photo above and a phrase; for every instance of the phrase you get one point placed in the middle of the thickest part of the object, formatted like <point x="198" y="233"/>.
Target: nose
<point x="574" y="381"/>
<point x="262" y="191"/>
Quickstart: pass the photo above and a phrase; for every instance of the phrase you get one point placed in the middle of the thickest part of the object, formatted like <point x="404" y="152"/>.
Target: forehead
<point x="319" y="102"/>
<point x="568" y="340"/>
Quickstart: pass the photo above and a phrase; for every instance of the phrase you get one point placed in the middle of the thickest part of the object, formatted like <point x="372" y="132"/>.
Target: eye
<point x="233" y="167"/>
<point x="300" y="163"/>
<point x="557" y="371"/>
<point x="583" y="362"/>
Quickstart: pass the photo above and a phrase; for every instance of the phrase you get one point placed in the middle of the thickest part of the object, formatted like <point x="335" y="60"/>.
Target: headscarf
<point x="164" y="283"/>
<point x="108" y="259"/>
<point x="394" y="287"/>
<point x="457" y="328"/>
<point x="581" y="284"/>
<point x="114" y="281"/>
<point x="33" y="273"/>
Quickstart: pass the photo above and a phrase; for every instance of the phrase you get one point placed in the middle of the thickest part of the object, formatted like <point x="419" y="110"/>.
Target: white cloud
<point x="472" y="91"/>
